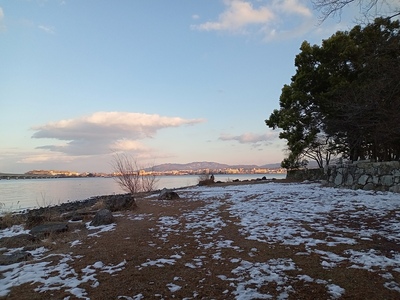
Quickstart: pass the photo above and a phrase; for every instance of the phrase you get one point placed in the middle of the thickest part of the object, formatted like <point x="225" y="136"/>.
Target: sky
<point x="163" y="81"/>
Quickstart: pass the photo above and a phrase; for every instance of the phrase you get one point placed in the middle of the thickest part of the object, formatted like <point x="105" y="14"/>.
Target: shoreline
<point x="70" y="204"/>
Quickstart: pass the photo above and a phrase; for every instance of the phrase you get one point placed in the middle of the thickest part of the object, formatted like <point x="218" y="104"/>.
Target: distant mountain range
<point x="193" y="166"/>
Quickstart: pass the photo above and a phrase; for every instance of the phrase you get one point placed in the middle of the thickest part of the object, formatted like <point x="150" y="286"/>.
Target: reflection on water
<point x="28" y="193"/>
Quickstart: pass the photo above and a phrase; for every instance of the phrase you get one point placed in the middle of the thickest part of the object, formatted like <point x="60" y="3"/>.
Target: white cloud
<point x="293" y="7"/>
<point x="237" y="16"/>
<point x="47" y="29"/>
<point x="103" y="132"/>
<point x="128" y="145"/>
<point x="250" y="138"/>
<point x="276" y="19"/>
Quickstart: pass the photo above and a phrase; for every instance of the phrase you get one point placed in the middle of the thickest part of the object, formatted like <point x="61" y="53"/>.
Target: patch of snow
<point x="140" y="217"/>
<point x="100" y="229"/>
<point x="13" y="231"/>
<point x="173" y="287"/>
<point x="63" y="276"/>
<point x="161" y="262"/>
<point x="75" y="243"/>
<point x="335" y="291"/>
<point x="136" y="297"/>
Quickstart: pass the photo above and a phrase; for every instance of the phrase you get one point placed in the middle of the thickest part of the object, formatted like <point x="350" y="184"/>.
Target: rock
<point x="363" y="179"/>
<point x="15" y="257"/>
<point x="102" y="217"/>
<point x="387" y="180"/>
<point x="369" y="187"/>
<point x="120" y="202"/>
<point x="48" y="228"/>
<point x="395" y="188"/>
<point x="166" y="194"/>
<point x="339" y="179"/>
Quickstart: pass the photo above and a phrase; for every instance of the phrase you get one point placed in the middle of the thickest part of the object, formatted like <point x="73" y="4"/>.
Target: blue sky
<point x="166" y="81"/>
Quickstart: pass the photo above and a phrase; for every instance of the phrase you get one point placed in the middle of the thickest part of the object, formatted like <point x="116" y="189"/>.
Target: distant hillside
<point x="193" y="166"/>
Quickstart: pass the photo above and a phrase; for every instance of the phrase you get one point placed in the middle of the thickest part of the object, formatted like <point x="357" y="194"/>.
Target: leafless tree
<point x="371" y="8"/>
<point x="321" y="150"/>
<point x="129" y="176"/>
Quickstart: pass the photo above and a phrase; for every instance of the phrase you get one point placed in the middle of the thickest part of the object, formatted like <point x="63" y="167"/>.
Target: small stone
<point x="166" y="194"/>
<point x="48" y="228"/>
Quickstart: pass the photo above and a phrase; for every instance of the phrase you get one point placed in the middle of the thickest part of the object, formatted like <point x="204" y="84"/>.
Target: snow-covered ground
<point x="307" y="215"/>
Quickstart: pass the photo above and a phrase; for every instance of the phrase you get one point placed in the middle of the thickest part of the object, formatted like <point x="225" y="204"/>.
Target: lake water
<point x="18" y="194"/>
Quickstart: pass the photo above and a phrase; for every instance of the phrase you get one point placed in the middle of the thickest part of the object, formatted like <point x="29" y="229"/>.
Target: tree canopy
<point x="344" y="98"/>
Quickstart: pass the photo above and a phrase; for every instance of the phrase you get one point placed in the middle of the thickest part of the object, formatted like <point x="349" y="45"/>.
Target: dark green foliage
<point x="344" y="98"/>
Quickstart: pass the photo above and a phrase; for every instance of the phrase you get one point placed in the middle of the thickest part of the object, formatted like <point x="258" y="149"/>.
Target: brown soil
<point x="141" y="241"/>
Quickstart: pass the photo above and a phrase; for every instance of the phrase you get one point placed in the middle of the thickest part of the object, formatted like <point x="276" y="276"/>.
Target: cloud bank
<point x="245" y="17"/>
<point x="103" y="132"/>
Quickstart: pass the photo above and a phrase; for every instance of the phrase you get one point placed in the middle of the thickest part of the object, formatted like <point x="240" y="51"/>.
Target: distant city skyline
<point x="165" y="81"/>
<point x="170" y="168"/>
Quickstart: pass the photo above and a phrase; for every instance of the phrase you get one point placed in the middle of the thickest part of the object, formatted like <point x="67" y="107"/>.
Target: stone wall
<point x="381" y="176"/>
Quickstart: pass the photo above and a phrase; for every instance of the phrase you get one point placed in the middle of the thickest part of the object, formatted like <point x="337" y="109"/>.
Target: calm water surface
<point x="16" y="194"/>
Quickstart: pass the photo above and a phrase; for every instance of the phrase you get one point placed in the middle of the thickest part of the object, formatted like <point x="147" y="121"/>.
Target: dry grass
<point x="9" y="219"/>
<point x="101" y="204"/>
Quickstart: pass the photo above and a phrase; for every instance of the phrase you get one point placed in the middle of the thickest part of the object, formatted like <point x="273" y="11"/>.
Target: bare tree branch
<point x="129" y="176"/>
<point x="333" y="8"/>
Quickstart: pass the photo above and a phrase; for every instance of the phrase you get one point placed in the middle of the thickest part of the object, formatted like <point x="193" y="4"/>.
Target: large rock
<point x="15" y="257"/>
<point x="48" y="228"/>
<point x="120" y="202"/>
<point x="167" y="194"/>
<point x="102" y="217"/>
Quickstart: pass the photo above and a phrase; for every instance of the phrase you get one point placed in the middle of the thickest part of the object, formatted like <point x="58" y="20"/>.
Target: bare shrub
<point x="129" y="175"/>
<point x="206" y="179"/>
<point x="44" y="202"/>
